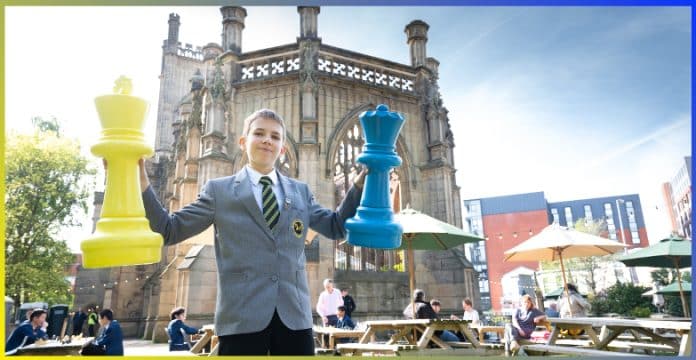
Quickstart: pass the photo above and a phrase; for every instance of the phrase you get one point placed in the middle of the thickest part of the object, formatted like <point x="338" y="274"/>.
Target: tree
<point x="663" y="277"/>
<point x="622" y="299"/>
<point x="45" y="189"/>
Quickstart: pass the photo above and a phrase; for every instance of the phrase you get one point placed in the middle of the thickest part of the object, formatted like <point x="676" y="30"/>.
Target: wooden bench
<point x="568" y="350"/>
<point x="631" y="345"/>
<point x="358" y="349"/>
<point x="458" y="344"/>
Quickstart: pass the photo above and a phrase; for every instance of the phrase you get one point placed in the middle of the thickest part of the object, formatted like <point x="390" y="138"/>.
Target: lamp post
<point x="621" y="233"/>
<point x="631" y="271"/>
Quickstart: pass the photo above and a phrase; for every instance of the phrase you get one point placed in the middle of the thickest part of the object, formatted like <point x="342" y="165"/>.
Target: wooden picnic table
<point x="611" y="328"/>
<point x="334" y="334"/>
<point x="208" y="336"/>
<point x="482" y="329"/>
<point x="53" y="347"/>
<point x="426" y="327"/>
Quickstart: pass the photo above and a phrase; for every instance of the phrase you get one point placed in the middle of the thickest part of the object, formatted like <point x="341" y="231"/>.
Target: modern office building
<point x="506" y="221"/>
<point x="677" y="195"/>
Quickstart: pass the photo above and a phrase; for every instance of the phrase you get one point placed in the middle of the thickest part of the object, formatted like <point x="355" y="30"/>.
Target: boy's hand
<point x="359" y="180"/>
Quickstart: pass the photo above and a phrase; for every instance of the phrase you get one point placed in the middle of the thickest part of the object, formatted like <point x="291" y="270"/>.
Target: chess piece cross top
<point x="123" y="86"/>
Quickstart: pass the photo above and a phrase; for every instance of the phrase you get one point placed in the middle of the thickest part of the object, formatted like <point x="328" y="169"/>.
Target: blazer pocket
<point x="236" y="277"/>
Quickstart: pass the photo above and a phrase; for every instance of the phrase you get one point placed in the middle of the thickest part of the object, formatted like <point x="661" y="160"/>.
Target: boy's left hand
<point x="359" y="180"/>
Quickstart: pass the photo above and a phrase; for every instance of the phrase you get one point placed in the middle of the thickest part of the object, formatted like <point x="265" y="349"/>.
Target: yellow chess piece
<point x="122" y="235"/>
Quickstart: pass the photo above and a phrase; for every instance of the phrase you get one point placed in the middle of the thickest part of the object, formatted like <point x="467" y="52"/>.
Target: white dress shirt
<point x="257" y="188"/>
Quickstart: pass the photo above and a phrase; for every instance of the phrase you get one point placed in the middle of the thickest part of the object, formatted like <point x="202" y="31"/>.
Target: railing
<point x="364" y="71"/>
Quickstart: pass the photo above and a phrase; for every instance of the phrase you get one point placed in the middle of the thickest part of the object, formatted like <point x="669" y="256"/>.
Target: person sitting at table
<point x="32" y="329"/>
<point x="444" y="335"/>
<point x="573" y="305"/>
<point x="469" y="314"/>
<point x="525" y="320"/>
<point x="552" y="311"/>
<point x="344" y="320"/>
<point x="423" y="309"/>
<point x="176" y="337"/>
<point x="110" y="339"/>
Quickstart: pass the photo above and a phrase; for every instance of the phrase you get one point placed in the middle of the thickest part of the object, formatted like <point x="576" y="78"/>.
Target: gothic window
<point x="355" y="258"/>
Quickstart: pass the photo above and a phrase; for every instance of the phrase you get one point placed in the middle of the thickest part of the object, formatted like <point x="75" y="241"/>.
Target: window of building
<point x="588" y="212"/>
<point x="554" y="212"/>
<point x="569" y="217"/>
<point x="355" y="258"/>
<point x="632" y="225"/>
<point x="609" y="213"/>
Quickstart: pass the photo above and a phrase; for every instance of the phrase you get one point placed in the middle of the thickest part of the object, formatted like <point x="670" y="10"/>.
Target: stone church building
<point x="205" y="94"/>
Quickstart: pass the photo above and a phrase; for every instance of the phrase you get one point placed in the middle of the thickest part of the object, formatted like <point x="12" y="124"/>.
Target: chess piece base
<point x="121" y="242"/>
<point x="377" y="231"/>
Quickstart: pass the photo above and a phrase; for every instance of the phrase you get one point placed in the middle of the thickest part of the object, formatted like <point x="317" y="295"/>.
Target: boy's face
<point x="341" y="313"/>
<point x="263" y="144"/>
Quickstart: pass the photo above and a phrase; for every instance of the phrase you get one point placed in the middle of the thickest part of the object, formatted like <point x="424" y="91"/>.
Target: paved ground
<point x="144" y="347"/>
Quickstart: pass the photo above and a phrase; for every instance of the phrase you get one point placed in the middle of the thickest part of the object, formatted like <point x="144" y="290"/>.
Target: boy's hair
<point x="177" y="311"/>
<point x="266" y="114"/>
<point x="434" y="302"/>
<point x="107" y="313"/>
<point x="342" y="308"/>
<point x="36" y="313"/>
<point x="327" y="282"/>
<point x="468" y="302"/>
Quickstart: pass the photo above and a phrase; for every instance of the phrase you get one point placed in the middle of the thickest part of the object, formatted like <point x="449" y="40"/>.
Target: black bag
<point x="92" y="349"/>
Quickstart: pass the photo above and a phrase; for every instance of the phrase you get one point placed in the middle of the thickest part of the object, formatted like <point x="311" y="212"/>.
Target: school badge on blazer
<point x="298" y="228"/>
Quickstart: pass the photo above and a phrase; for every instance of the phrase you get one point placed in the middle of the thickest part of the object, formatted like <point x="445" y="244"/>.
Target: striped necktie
<point x="270" y="205"/>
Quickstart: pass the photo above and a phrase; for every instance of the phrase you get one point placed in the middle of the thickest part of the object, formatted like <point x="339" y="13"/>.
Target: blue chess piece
<point x="373" y="225"/>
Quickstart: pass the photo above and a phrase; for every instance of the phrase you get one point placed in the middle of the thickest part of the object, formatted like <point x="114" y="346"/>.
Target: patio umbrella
<point x="557" y="293"/>
<point x="556" y="242"/>
<point x="673" y="252"/>
<point x="674" y="288"/>
<point x="423" y="232"/>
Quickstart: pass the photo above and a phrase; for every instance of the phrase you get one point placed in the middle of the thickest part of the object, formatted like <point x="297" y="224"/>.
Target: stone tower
<point x="320" y="90"/>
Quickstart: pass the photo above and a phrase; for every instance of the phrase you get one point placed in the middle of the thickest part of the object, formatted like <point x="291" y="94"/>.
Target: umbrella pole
<point x="412" y="281"/>
<point x="411" y="277"/>
<point x="681" y="290"/>
<point x="565" y="282"/>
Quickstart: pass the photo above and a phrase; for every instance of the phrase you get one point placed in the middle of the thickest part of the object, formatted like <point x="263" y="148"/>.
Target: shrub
<point x="640" y="312"/>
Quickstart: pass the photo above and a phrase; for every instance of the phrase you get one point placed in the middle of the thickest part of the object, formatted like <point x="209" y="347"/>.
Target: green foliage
<point x="621" y="299"/>
<point x="673" y="304"/>
<point x="641" y="312"/>
<point x="44" y="188"/>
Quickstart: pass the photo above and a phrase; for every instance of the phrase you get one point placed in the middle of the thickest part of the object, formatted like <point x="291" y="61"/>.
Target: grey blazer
<point x="259" y="270"/>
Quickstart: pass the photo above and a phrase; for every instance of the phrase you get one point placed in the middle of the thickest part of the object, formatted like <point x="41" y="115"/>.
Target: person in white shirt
<point x="469" y="312"/>
<point x="329" y="300"/>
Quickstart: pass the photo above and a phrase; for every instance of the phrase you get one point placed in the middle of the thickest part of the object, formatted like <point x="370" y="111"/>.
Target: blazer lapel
<point x="243" y="192"/>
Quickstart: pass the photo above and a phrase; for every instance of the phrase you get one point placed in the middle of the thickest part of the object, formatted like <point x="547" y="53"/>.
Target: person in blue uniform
<point x="31" y="330"/>
<point x="111" y="338"/>
<point x="176" y="338"/>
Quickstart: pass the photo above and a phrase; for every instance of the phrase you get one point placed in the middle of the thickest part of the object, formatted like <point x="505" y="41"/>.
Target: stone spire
<point x="172" y="41"/>
<point x="232" y="26"/>
<point x="417" y="33"/>
<point x="308" y="21"/>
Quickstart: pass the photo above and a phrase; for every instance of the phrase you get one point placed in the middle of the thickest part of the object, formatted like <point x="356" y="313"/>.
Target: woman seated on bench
<point x="523" y="324"/>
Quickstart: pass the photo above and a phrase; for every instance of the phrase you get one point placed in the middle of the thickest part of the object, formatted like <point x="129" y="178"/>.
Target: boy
<point x="261" y="218"/>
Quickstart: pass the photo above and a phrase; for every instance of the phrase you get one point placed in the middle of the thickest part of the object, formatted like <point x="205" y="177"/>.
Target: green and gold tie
<point x="270" y="205"/>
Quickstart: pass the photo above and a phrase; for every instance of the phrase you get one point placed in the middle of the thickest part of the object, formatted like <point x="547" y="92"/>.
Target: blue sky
<point x="578" y="102"/>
